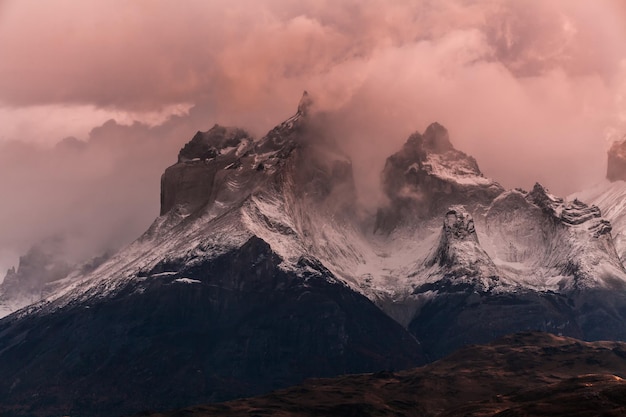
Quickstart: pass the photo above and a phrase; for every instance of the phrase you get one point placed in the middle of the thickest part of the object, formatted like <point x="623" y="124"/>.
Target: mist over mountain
<point x="264" y="268"/>
<point x="178" y="229"/>
<point x="527" y="90"/>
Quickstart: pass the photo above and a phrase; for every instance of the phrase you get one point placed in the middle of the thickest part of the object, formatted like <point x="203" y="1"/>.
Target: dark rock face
<point x="458" y="244"/>
<point x="296" y="152"/>
<point x="234" y="327"/>
<point x="191" y="181"/>
<point x="616" y="164"/>
<point x="324" y="179"/>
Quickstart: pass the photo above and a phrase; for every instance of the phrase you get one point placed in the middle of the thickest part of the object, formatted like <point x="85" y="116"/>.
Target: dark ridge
<point x="525" y="374"/>
<point x="235" y="326"/>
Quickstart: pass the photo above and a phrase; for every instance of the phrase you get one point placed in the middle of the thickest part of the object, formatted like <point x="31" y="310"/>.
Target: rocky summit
<point x="263" y="270"/>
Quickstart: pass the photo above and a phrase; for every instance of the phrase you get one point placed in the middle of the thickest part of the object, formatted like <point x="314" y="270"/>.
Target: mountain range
<point x="264" y="268"/>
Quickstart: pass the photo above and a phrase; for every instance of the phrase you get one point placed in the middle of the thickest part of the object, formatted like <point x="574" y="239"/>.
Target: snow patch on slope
<point x="610" y="197"/>
<point x="449" y="167"/>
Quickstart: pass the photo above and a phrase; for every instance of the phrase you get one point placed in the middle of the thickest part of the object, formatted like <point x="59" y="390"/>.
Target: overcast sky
<point x="97" y="96"/>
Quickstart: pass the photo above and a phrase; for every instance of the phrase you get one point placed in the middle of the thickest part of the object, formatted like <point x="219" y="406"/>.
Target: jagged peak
<point x="437" y="139"/>
<point x="228" y="160"/>
<point x="206" y="145"/>
<point x="281" y="135"/>
<point x="542" y="197"/>
<point x="570" y="213"/>
<point x="305" y="103"/>
<point x="538" y="188"/>
<point x="459" y="251"/>
<point x="433" y="154"/>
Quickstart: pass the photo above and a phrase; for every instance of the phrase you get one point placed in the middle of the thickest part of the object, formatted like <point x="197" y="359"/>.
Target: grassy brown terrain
<point x="527" y="374"/>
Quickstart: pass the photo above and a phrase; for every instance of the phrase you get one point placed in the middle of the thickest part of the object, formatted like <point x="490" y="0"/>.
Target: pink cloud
<point x="534" y="90"/>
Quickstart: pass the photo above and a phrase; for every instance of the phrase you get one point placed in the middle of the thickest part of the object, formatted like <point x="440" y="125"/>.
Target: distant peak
<point x="437" y="139"/>
<point x="538" y="188"/>
<point x="305" y="103"/>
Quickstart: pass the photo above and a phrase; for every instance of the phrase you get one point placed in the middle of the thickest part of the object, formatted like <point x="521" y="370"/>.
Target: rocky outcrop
<point x="551" y="263"/>
<point x="207" y="145"/>
<point x="223" y="163"/>
<point x="458" y="261"/>
<point x="458" y="243"/>
<point x="472" y="297"/>
<point x="572" y="213"/>
<point x="190" y="182"/>
<point x="616" y="164"/>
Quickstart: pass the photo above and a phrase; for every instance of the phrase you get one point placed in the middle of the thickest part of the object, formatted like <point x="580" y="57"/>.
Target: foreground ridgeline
<point x="527" y="374"/>
<point x="263" y="269"/>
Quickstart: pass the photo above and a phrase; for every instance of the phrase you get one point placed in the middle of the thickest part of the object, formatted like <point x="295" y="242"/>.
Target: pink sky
<point x="535" y="90"/>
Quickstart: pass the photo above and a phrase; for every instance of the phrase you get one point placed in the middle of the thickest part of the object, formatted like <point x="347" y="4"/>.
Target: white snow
<point x="162" y="274"/>
<point x="454" y="171"/>
<point x="188" y="281"/>
<point x="610" y="197"/>
<point x="375" y="265"/>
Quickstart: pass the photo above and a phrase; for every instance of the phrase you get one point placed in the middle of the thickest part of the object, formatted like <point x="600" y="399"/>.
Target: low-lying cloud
<point x="535" y="90"/>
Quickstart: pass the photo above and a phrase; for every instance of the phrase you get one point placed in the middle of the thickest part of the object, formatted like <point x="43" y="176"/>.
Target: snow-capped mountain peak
<point x="294" y="190"/>
<point x="427" y="176"/>
<point x="262" y="263"/>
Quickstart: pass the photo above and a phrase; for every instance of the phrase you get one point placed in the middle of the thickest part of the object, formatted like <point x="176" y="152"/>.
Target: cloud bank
<point x="535" y="90"/>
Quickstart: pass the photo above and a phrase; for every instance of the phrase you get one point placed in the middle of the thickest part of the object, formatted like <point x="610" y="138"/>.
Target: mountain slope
<point x="262" y="270"/>
<point x="236" y="326"/>
<point x="221" y="298"/>
<point x="486" y="262"/>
